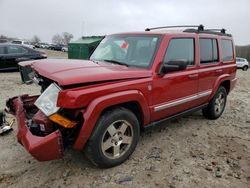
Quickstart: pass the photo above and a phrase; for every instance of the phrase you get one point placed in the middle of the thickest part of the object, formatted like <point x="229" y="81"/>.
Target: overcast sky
<point x="44" y="18"/>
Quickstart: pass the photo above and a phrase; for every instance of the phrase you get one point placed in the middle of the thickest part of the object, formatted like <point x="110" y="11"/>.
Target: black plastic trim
<point x="165" y="120"/>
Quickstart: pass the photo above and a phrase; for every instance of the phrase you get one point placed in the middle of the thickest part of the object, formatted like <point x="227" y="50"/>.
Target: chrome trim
<point x="204" y="94"/>
<point x="182" y="101"/>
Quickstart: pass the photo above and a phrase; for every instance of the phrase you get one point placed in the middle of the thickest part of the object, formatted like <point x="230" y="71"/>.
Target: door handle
<point x="193" y="76"/>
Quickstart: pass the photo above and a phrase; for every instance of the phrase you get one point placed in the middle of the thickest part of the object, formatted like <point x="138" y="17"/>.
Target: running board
<point x="170" y="118"/>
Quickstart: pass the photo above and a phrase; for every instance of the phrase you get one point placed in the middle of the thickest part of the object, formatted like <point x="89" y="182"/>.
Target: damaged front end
<point x="42" y="145"/>
<point x="43" y="129"/>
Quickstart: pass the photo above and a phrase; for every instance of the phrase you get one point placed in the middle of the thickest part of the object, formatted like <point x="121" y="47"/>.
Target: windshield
<point x="127" y="50"/>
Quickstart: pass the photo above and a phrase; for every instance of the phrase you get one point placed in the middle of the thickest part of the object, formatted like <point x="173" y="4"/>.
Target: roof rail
<point x="217" y="30"/>
<point x="191" y="29"/>
<point x="199" y="27"/>
<point x="221" y="32"/>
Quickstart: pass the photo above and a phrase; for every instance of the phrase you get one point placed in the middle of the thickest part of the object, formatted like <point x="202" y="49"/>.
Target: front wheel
<point x="114" y="139"/>
<point x="217" y="104"/>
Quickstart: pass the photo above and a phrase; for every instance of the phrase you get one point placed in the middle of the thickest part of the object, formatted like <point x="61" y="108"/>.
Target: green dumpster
<point x="83" y="47"/>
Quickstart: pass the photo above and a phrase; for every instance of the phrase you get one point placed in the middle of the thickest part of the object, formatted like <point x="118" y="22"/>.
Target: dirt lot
<point x="54" y="54"/>
<point x="189" y="152"/>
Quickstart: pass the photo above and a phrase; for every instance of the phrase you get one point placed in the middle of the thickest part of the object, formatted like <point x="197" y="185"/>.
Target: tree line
<point x="62" y="39"/>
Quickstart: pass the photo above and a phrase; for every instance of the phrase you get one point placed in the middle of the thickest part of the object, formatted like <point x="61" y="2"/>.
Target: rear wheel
<point x="245" y="68"/>
<point x="217" y="104"/>
<point x="114" y="139"/>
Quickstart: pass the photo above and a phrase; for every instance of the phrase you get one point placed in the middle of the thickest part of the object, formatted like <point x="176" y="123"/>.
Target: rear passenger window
<point x="15" y="50"/>
<point x="227" y="50"/>
<point x="180" y="49"/>
<point x="208" y="50"/>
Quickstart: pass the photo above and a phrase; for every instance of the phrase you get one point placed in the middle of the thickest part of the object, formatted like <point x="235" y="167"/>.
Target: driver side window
<point x="180" y="49"/>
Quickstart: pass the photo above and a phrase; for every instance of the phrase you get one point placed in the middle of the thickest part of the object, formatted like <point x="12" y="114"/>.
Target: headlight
<point x="47" y="101"/>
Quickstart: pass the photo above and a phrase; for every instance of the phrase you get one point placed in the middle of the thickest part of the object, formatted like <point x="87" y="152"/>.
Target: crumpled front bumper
<point x="43" y="148"/>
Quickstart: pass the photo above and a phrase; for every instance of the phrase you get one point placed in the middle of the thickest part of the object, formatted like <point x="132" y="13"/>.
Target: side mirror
<point x="171" y="66"/>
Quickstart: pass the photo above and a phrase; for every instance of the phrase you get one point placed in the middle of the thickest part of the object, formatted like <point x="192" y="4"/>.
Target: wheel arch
<point x="132" y="99"/>
<point x="133" y="106"/>
<point x="226" y="85"/>
<point x="223" y="80"/>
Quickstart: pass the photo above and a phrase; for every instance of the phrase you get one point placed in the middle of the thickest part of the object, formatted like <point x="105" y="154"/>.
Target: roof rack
<point x="200" y="29"/>
<point x="217" y="30"/>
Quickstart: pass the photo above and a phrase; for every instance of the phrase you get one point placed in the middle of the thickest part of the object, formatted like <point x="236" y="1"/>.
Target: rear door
<point x="210" y="66"/>
<point x="176" y="91"/>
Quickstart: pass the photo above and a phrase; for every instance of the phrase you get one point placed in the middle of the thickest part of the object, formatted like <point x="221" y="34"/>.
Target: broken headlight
<point x="47" y="101"/>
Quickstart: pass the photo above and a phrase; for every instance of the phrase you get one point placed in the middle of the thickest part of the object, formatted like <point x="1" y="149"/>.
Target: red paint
<point x="42" y="148"/>
<point x="116" y="84"/>
<point x="41" y="119"/>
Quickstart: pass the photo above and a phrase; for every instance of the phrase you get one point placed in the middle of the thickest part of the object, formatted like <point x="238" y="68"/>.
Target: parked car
<point x="43" y="45"/>
<point x="12" y="54"/>
<point x="242" y="63"/>
<point x="132" y="81"/>
<point x="56" y="47"/>
<point x="37" y="45"/>
<point x="24" y="43"/>
<point x="65" y="49"/>
<point x="3" y="40"/>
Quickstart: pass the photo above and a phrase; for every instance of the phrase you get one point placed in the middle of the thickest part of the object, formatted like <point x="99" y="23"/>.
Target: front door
<point x="176" y="91"/>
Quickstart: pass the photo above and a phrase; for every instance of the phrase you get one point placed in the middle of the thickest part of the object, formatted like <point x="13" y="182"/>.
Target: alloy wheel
<point x="117" y="139"/>
<point x="220" y="103"/>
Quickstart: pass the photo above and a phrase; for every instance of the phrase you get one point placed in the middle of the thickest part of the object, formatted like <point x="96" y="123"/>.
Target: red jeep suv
<point x="132" y="81"/>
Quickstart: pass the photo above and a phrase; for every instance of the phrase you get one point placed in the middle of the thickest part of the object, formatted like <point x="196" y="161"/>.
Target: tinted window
<point x="15" y="50"/>
<point x="215" y="50"/>
<point x="208" y="50"/>
<point x="1" y="50"/>
<point x="180" y="49"/>
<point x="227" y="50"/>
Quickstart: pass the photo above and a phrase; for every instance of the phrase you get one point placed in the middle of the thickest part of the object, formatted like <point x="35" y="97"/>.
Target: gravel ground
<point x="188" y="152"/>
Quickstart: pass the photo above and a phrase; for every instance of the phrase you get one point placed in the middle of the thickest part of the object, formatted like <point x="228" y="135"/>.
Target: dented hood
<point x="68" y="72"/>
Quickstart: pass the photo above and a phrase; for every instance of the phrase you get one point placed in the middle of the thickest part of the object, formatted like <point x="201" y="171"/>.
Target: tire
<point x="114" y="138"/>
<point x="216" y="105"/>
<point x="245" y="68"/>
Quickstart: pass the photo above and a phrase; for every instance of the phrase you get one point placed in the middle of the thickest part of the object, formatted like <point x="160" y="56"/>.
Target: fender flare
<point x="217" y="83"/>
<point x="96" y="107"/>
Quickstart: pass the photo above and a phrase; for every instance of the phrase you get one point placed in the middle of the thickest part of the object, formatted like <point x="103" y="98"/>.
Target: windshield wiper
<point x="94" y="61"/>
<point x="115" y="62"/>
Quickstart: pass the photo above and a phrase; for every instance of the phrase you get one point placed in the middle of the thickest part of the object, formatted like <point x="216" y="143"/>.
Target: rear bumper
<point x="43" y="148"/>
